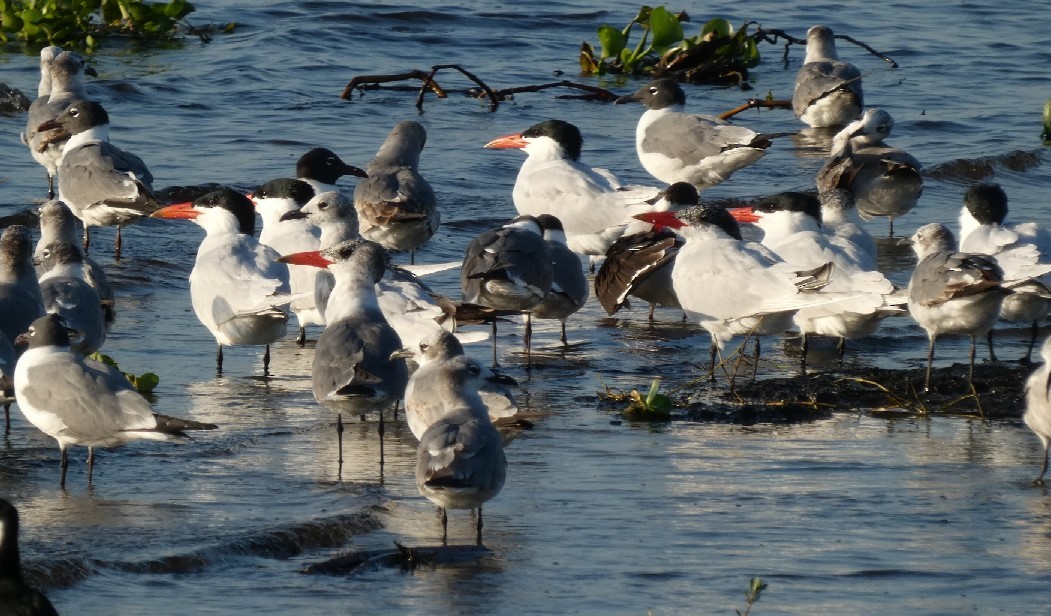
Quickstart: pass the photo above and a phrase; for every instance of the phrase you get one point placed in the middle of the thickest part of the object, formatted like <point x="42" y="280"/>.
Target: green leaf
<point x="147" y="382"/>
<point x="103" y="359"/>
<point x="717" y="27"/>
<point x="751" y="54"/>
<point x="612" y="40"/>
<point x="666" y="29"/>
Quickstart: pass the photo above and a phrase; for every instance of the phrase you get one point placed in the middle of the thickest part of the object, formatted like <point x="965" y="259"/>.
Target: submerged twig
<point x="872" y="51"/>
<point x="360" y="80"/>
<point x="756" y="103"/>
<point x="493" y="100"/>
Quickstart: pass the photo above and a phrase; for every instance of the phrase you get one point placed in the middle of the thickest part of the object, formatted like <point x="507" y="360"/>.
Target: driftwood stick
<point x="597" y="93"/>
<point x="872" y="51"/>
<point x="428" y="82"/>
<point x="494" y="101"/>
<point x="754" y="103"/>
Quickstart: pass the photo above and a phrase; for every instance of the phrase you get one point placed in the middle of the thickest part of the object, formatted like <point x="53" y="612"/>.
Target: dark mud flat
<point x="999" y="393"/>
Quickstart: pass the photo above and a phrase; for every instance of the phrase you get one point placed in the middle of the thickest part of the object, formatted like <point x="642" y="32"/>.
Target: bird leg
<point x="970" y="369"/>
<point x="711" y="360"/>
<point x="50" y="187"/>
<point x="989" y="341"/>
<point x="803" y="348"/>
<point x="65" y="466"/>
<point x="755" y="366"/>
<point x="496" y="364"/>
<point x="91" y="463"/>
<point x="266" y="361"/>
<point x="339" y="436"/>
<point x="652" y="308"/>
<point x="445" y="526"/>
<point x="529" y="339"/>
<point x="412" y="257"/>
<point x="563" y="337"/>
<point x="397" y="403"/>
<point x="479" y="527"/>
<point x="1025" y="361"/>
<point x="842" y="348"/>
<point x="302" y="339"/>
<point x="930" y="360"/>
<point x="116" y="246"/>
<point x="381" y="429"/>
<point x="7" y="418"/>
<point x="1040" y="480"/>
<point x="87" y="239"/>
<point x="219" y="360"/>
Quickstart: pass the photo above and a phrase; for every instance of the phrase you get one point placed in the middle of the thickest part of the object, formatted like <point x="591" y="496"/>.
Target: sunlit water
<point x="849" y="515"/>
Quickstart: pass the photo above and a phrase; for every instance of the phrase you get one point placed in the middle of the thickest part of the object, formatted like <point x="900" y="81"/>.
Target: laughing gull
<point x="321" y="168"/>
<point x="952" y="292"/>
<point x="828" y="90"/>
<point x="591" y="203"/>
<point x="423" y="408"/>
<point x="354" y="369"/>
<point x="508" y="268"/>
<point x="1038" y="404"/>
<point x="102" y="184"/>
<point x="47" y="54"/>
<point x="16" y="597"/>
<point x="675" y="146"/>
<point x="334" y="215"/>
<point x="1017" y="248"/>
<point x="238" y="288"/>
<point x="732" y="287"/>
<point x="21" y="301"/>
<point x="64" y="84"/>
<point x="791" y="226"/>
<point x="273" y="200"/>
<point x="79" y="401"/>
<point x="886" y="181"/>
<point x="57" y="224"/>
<point x="396" y="206"/>
<point x="640" y="264"/>
<point x="460" y="461"/>
<point x="67" y="294"/>
<point x="569" y="285"/>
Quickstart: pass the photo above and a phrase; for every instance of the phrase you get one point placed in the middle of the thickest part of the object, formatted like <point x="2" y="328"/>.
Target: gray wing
<point x="93" y="400"/>
<point x="79" y="306"/>
<point x="100" y="173"/>
<point x="692" y="138"/>
<point x="815" y="80"/>
<point x="568" y="279"/>
<point x="461" y="453"/>
<point x="505" y="256"/>
<point x="945" y="276"/>
<point x="393" y="196"/>
<point x="19" y="307"/>
<point x="353" y="361"/>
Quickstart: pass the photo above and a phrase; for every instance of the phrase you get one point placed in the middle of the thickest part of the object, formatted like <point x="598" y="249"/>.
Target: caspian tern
<point x="67" y="294"/>
<point x="396" y="205"/>
<point x="1038" y="404"/>
<point x="102" y="184"/>
<point x="79" y="401"/>
<point x="64" y="83"/>
<point x="569" y="286"/>
<point x="460" y="462"/>
<point x="841" y="221"/>
<point x="17" y="597"/>
<point x="354" y="369"/>
<point x="239" y="290"/>
<point x="791" y="225"/>
<point x="735" y="287"/>
<point x="592" y="205"/>
<point x="273" y="200"/>
<point x="886" y="181"/>
<point x="828" y="90"/>
<point x="1019" y="249"/>
<point x="423" y="408"/>
<point x="952" y="292"/>
<point x="57" y="224"/>
<point x="675" y="146"/>
<point x="508" y="268"/>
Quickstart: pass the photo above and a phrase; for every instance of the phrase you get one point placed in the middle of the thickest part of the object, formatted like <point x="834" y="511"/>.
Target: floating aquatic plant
<point x="655" y="406"/>
<point x="144" y="383"/>
<point x="79" y="24"/>
<point x="717" y="55"/>
<point x="754" y="592"/>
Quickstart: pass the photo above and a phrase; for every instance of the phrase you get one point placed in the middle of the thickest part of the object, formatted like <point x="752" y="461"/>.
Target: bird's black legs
<point x="219" y="360"/>
<point x="266" y="361"/>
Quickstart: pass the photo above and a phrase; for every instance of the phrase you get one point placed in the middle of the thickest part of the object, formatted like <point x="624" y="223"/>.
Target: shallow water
<point x="839" y="515"/>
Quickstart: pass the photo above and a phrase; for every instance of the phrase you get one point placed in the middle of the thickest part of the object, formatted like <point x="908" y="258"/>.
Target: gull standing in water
<point x="569" y="285"/>
<point x="102" y="184"/>
<point x="79" y="401"/>
<point x="828" y="90"/>
<point x="238" y="288"/>
<point x="16" y="597"/>
<point x="886" y="181"/>
<point x="67" y="294"/>
<point x="355" y="367"/>
<point x="460" y="461"/>
<point x="675" y="146"/>
<point x="396" y="205"/>
<point x="21" y="301"/>
<point x="423" y="408"/>
<point x="64" y="84"/>
<point x="591" y="204"/>
<point x="1019" y="249"/>
<point x="952" y="292"/>
<point x="57" y="224"/>
<point x="1038" y="404"/>
<point x="508" y="268"/>
<point x="273" y="200"/>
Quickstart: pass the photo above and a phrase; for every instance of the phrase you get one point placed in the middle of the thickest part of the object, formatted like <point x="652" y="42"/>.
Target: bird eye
<point x="46" y="253"/>
<point x="32" y="330"/>
<point x="322" y="205"/>
<point x="424" y="346"/>
<point x="73" y="111"/>
<point x="330" y="161"/>
<point x="475" y="370"/>
<point x="653" y="90"/>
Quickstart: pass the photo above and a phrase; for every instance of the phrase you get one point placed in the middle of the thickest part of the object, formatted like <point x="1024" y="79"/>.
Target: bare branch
<point x="413" y="74"/>
<point x="754" y="103"/>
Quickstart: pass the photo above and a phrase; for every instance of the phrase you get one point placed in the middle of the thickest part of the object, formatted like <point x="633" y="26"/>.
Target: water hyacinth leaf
<point x="665" y="27"/>
<point x="716" y="28"/>
<point x="146" y="382"/>
<point x="177" y="9"/>
<point x="612" y="40"/>
<point x="751" y="53"/>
